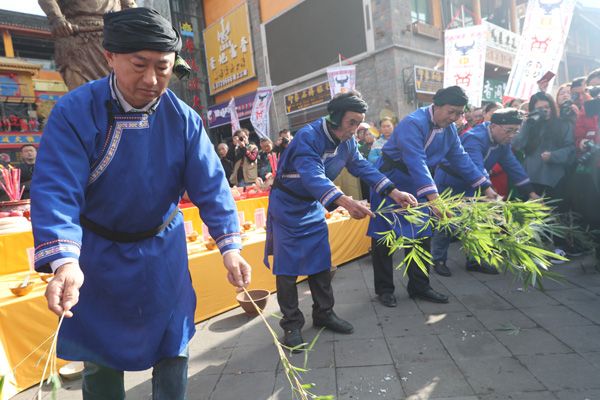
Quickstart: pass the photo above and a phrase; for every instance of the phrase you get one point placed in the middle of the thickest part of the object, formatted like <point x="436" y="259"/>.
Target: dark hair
<point x="553" y="129"/>
<point x="28" y="145"/>
<point x="284" y="130"/>
<point x="242" y="130"/>
<point x="593" y="75"/>
<point x="577" y="82"/>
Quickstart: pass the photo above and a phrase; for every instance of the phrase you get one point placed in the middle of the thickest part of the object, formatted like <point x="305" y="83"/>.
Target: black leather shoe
<point x="484" y="268"/>
<point x="334" y="323"/>
<point x="387" y="299"/>
<point x="430" y="295"/>
<point x="441" y="268"/>
<point x="292" y="339"/>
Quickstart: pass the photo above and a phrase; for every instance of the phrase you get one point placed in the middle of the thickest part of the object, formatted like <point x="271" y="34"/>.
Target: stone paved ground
<point x="492" y="341"/>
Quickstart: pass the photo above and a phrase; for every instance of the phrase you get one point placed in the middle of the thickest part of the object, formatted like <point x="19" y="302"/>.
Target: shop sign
<point x="229" y="54"/>
<point x="219" y="114"/>
<point x="428" y="80"/>
<point x="493" y="90"/>
<point x="307" y="98"/>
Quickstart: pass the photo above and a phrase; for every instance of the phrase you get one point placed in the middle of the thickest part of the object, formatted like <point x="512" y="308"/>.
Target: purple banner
<point x="218" y="115"/>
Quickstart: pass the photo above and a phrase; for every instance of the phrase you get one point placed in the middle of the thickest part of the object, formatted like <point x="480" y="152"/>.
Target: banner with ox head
<point x="464" y="60"/>
<point x="545" y="31"/>
<point x="235" y="121"/>
<point x="342" y="79"/>
<point x="260" y="111"/>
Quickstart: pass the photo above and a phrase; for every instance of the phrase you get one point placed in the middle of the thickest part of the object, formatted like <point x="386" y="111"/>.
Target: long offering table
<point x="25" y="322"/>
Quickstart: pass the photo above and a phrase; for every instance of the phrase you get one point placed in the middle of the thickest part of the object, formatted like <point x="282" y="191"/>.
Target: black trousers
<point x="287" y="297"/>
<point x="383" y="271"/>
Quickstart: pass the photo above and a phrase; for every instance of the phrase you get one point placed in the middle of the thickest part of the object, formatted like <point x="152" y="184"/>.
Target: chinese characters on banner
<point x="545" y="31"/>
<point x="306" y="98"/>
<point x="229" y="54"/>
<point x="235" y="121"/>
<point x="464" y="61"/>
<point x="189" y="53"/>
<point x="260" y="111"/>
<point x="493" y="89"/>
<point x="341" y="79"/>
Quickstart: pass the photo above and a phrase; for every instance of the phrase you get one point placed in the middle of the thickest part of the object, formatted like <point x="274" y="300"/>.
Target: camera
<point x="591" y="149"/>
<point x="592" y="107"/>
<point x="537" y="115"/>
<point x="566" y="110"/>
<point x="285" y="141"/>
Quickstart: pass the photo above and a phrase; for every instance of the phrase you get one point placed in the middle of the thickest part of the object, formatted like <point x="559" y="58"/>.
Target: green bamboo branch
<point x="508" y="235"/>
<point x="299" y="389"/>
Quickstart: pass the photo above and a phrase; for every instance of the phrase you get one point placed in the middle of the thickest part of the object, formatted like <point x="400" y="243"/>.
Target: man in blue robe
<point x="297" y="234"/>
<point x="487" y="144"/>
<point x="116" y="156"/>
<point x="419" y="143"/>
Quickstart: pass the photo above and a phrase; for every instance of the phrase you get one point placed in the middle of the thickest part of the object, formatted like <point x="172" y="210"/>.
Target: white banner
<point x="260" y="111"/>
<point x="341" y="79"/>
<point x="464" y="60"/>
<point x="235" y="121"/>
<point x="545" y="31"/>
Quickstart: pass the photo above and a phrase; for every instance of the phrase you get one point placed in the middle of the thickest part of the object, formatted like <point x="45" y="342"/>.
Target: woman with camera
<point x="548" y="146"/>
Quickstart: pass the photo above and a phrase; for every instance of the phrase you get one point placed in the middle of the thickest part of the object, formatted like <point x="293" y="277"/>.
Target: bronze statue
<point x="77" y="26"/>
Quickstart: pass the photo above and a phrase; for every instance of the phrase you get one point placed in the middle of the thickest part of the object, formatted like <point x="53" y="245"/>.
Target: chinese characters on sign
<point x="229" y="54"/>
<point x="19" y="139"/>
<point x="464" y="63"/>
<point x="428" y="80"/>
<point x="308" y="97"/>
<point x="541" y="47"/>
<point x="189" y="52"/>
<point x="493" y="90"/>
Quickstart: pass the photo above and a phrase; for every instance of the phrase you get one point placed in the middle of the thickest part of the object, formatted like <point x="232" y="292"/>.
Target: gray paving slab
<point x="593" y="357"/>
<point x="361" y="352"/>
<point x="555" y="316"/>
<point x="364" y="319"/>
<point x="527" y="298"/>
<point x="484" y="301"/>
<point x="255" y="358"/>
<point x="574" y="295"/>
<point x="588" y="309"/>
<point x="531" y="341"/>
<point x="582" y="339"/>
<point x="324" y="380"/>
<point x="473" y="345"/>
<point x="457" y="322"/>
<point x="541" y="395"/>
<point x="425" y="380"/>
<point x="410" y="349"/>
<point x="369" y="383"/>
<point x="578" y="394"/>
<point x="498" y="375"/>
<point x="504" y="319"/>
<point x="562" y="371"/>
<point x="259" y="385"/>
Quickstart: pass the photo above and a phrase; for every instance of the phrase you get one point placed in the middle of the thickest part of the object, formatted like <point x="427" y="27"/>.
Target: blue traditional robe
<point x="417" y="147"/>
<point x="297" y="234"/>
<point x="485" y="154"/>
<point x="127" y="173"/>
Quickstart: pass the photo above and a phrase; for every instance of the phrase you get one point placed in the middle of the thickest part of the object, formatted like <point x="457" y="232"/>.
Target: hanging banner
<point x="428" y="80"/>
<point x="464" y="61"/>
<point x="545" y="31"/>
<point x="235" y="122"/>
<point x="260" y="111"/>
<point x="341" y="79"/>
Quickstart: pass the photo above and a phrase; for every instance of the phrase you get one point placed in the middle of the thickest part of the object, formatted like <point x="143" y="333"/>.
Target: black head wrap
<point x="507" y="116"/>
<point x="140" y="28"/>
<point x="342" y="102"/>
<point x="452" y="95"/>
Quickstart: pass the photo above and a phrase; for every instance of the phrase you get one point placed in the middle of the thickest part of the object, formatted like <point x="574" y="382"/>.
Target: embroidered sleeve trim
<point x="230" y="238"/>
<point x="479" y="182"/>
<point x="326" y="198"/>
<point x="382" y="184"/>
<point x="59" y="246"/>
<point x="426" y="189"/>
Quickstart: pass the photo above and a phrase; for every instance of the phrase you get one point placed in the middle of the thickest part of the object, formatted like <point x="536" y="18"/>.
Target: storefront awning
<point x="218" y="115"/>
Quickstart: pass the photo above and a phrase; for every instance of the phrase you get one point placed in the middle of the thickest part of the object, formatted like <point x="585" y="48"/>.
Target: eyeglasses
<point x="511" y="132"/>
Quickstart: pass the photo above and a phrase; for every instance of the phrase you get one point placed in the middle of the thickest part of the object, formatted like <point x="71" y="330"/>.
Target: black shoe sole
<point x="430" y="299"/>
<point x="316" y="325"/>
<point x="442" y="273"/>
<point x="387" y="303"/>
